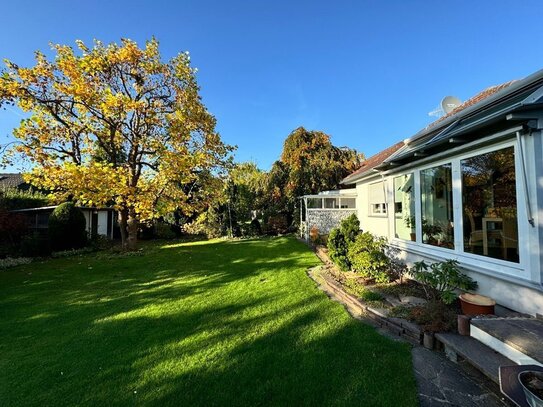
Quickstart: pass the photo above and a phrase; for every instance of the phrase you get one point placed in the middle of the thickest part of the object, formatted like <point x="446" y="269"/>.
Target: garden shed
<point x="98" y="221"/>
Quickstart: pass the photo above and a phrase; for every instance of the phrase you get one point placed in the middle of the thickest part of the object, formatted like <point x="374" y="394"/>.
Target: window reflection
<point x="490" y="205"/>
<point x="404" y="207"/>
<point x="437" y="206"/>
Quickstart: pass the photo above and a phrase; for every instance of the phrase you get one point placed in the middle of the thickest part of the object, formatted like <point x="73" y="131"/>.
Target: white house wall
<point x="514" y="285"/>
<point x="376" y="224"/>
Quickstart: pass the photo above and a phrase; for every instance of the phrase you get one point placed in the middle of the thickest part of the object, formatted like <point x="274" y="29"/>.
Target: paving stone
<point x="487" y="360"/>
<point x="409" y="299"/>
<point x="440" y="382"/>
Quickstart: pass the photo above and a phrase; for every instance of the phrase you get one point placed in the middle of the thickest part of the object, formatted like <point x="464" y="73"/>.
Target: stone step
<point x="519" y="339"/>
<point x="477" y="354"/>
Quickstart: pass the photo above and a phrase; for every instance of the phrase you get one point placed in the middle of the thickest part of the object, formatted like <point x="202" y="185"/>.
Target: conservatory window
<point x="404" y="207"/>
<point x="490" y="205"/>
<point x="314" y="203"/>
<point x="348" y="203"/>
<point x="331" y="203"/>
<point x="437" y="206"/>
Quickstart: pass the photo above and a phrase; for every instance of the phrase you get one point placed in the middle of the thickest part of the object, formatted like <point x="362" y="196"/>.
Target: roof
<point x="489" y="107"/>
<point x="372" y="162"/>
<point x="11" y="180"/>
<point x="472" y="101"/>
<point x="52" y="207"/>
<point x="336" y="193"/>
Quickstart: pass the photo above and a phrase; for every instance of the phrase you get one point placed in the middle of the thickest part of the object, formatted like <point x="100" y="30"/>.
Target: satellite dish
<point x="449" y="103"/>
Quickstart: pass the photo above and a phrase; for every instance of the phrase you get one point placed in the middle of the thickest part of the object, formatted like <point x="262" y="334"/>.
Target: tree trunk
<point x="123" y="218"/>
<point x="132" y="227"/>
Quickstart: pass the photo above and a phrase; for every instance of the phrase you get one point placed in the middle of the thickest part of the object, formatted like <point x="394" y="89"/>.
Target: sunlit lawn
<point x="190" y="324"/>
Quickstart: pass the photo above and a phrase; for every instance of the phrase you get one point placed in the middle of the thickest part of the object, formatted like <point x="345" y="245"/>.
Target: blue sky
<point x="365" y="72"/>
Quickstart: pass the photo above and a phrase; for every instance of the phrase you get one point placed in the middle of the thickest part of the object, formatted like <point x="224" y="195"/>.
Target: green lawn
<point x="190" y="324"/>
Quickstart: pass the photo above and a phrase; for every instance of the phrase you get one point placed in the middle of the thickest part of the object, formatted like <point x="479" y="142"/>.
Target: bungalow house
<point x="468" y="187"/>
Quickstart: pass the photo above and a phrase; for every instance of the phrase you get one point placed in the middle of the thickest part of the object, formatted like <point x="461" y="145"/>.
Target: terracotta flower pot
<point x="474" y="304"/>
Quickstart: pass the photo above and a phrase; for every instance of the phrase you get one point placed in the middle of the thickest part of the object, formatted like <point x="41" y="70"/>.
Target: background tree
<point x="238" y="199"/>
<point x="246" y="190"/>
<point x="309" y="164"/>
<point x="114" y="125"/>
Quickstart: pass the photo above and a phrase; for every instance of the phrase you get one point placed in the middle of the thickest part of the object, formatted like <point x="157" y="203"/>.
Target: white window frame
<point x="393" y="200"/>
<point x="383" y="213"/>
<point x="419" y="213"/>
<point x="337" y="198"/>
<point x="485" y="264"/>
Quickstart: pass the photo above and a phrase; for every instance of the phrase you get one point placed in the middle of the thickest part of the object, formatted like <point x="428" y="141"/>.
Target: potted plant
<point x="431" y="231"/>
<point x="410" y="222"/>
<point x="532" y="384"/>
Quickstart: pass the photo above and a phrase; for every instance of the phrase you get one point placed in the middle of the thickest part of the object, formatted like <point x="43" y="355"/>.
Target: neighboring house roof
<point x="52" y="207"/>
<point x="372" y="162"/>
<point x="11" y="180"/>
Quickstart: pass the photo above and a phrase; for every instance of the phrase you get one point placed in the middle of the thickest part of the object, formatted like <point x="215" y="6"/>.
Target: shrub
<point x="164" y="231"/>
<point x="367" y="257"/>
<point x="397" y="266"/>
<point x="13" y="227"/>
<point x="433" y="316"/>
<point x="207" y="224"/>
<point x="350" y="228"/>
<point x="101" y="242"/>
<point x="323" y="240"/>
<point x="340" y="239"/>
<point x="441" y="279"/>
<point x="13" y="198"/>
<point x="361" y="291"/>
<point x="67" y="227"/>
<point x="337" y="249"/>
<point x="35" y="245"/>
<point x="235" y="231"/>
<point x="277" y="224"/>
<point x="252" y="229"/>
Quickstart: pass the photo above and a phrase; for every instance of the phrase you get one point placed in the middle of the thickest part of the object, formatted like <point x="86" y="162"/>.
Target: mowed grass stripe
<point x="190" y="324"/>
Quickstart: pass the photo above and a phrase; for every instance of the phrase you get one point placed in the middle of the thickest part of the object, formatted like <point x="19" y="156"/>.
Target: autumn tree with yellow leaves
<point x="114" y="125"/>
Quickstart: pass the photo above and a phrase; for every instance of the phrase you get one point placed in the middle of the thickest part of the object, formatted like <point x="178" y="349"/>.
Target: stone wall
<point x="326" y="219"/>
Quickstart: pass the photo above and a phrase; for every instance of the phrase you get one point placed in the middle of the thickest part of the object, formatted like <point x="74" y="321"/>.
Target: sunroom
<point x="470" y="187"/>
<point x="471" y="206"/>
<point x="324" y="211"/>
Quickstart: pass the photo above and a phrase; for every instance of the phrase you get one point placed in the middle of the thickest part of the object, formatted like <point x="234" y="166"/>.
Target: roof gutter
<point x="358" y="177"/>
